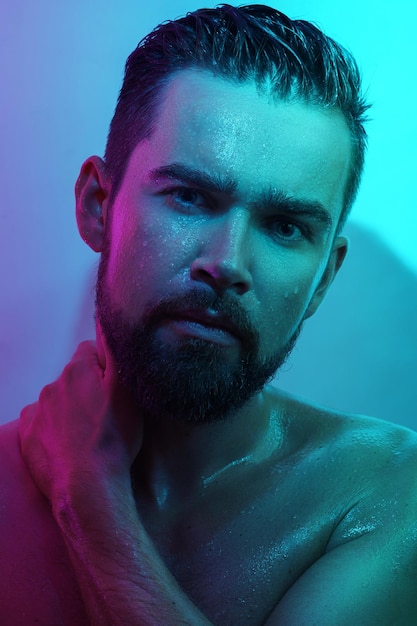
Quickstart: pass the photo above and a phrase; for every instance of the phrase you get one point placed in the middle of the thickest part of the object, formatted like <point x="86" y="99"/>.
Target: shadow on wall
<point x="359" y="352"/>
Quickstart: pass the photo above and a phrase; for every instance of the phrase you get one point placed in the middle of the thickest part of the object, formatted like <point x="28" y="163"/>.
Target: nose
<point x="224" y="262"/>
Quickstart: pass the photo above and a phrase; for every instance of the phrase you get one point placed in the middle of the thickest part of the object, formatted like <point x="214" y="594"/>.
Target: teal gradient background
<point x="61" y="67"/>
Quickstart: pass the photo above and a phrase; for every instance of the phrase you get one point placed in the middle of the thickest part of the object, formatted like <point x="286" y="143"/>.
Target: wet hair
<point x="291" y="59"/>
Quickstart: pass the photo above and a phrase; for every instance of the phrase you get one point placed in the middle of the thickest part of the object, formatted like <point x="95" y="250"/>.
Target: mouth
<point x="204" y="324"/>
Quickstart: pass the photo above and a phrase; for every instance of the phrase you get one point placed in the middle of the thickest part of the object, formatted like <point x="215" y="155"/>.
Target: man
<point x="160" y="480"/>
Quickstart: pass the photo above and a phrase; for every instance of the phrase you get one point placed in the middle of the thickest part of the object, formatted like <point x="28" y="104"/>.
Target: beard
<point x="193" y="380"/>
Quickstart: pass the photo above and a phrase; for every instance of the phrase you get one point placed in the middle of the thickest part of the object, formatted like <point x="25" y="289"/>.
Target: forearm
<point x="122" y="578"/>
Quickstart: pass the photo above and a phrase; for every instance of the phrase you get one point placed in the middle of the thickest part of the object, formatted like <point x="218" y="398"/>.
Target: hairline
<point x="275" y="97"/>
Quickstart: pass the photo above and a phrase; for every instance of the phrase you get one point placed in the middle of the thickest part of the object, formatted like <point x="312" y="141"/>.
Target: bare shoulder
<point x="8" y="432"/>
<point x="359" y="439"/>
<point x="18" y="493"/>
<point x="365" y="470"/>
<point x="11" y="464"/>
<point x="365" y="467"/>
<point x="38" y="585"/>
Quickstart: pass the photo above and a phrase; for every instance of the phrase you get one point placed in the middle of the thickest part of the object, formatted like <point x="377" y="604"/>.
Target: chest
<point x="237" y="557"/>
<point x="234" y="554"/>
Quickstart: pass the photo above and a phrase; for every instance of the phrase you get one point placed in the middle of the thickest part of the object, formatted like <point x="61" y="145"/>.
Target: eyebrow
<point x="273" y="199"/>
<point x="277" y="200"/>
<point x="191" y="176"/>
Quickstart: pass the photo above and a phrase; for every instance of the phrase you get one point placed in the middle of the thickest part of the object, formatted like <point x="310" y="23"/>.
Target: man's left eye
<point x="285" y="229"/>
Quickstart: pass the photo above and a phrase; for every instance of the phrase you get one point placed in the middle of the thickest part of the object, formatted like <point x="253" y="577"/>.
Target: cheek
<point x="284" y="299"/>
<point x="146" y="257"/>
<point x="128" y="261"/>
<point x="283" y="314"/>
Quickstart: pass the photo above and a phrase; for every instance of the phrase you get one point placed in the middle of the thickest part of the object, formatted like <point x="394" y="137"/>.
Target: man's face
<point x="221" y="243"/>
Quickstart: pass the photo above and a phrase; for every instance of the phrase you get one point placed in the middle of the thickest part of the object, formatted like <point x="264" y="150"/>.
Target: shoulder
<point x="10" y="458"/>
<point x="33" y="557"/>
<point x="361" y="460"/>
<point x="365" y="470"/>
<point x="375" y="463"/>
<point x="373" y="440"/>
<point x="16" y="485"/>
<point x="26" y="520"/>
<point x="19" y="496"/>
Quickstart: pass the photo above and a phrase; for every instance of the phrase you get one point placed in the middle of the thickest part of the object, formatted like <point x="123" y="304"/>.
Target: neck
<point x="180" y="460"/>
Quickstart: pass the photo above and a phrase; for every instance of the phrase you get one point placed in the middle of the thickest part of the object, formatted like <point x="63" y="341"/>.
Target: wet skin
<point x="286" y="510"/>
<point x="332" y="492"/>
<point x="169" y="234"/>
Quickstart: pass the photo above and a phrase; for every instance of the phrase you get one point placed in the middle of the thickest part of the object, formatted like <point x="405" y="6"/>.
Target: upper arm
<point x="371" y="580"/>
<point x="368" y="574"/>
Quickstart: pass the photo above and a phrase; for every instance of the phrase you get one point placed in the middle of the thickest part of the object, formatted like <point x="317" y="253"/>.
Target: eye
<point x="186" y="199"/>
<point x="285" y="229"/>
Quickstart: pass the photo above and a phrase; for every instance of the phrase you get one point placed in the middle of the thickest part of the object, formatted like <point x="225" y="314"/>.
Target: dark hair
<point x="254" y="42"/>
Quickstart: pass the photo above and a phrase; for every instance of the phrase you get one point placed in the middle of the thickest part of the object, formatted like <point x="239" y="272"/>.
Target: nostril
<point x="202" y="275"/>
<point x="221" y="275"/>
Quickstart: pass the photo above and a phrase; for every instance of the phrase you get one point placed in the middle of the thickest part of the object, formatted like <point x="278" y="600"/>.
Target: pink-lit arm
<point x="79" y="442"/>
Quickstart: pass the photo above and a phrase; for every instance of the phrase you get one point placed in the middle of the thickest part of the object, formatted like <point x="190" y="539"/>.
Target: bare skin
<point x="322" y="512"/>
<point x="284" y="514"/>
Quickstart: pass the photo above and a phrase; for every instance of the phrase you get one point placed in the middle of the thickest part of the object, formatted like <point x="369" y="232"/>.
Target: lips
<point x="207" y="318"/>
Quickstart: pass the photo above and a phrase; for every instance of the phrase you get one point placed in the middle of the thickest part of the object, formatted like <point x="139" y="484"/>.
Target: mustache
<point x="226" y="305"/>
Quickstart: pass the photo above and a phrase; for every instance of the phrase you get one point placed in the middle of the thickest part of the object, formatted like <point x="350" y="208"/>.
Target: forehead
<point x="228" y="128"/>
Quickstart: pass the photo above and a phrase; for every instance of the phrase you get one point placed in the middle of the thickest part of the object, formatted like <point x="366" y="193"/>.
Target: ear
<point x="337" y="256"/>
<point x="92" y="191"/>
